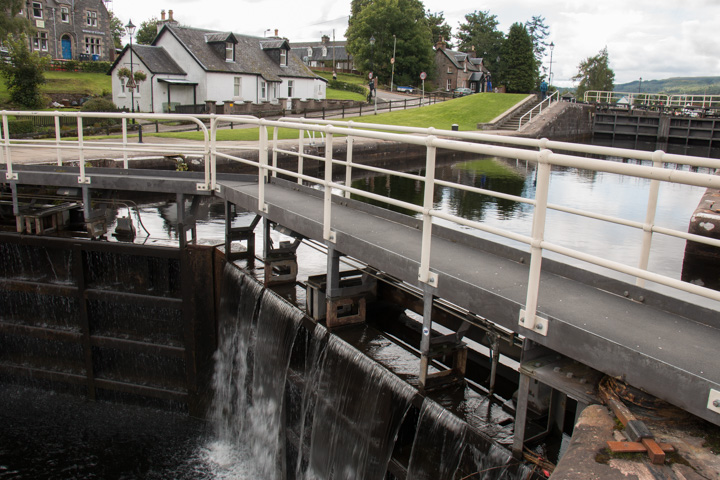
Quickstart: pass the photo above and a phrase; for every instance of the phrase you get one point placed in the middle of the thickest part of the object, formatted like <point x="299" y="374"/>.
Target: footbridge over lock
<point x="663" y="343"/>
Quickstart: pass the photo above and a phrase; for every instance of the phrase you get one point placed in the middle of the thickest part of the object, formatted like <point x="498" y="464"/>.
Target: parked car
<point x="404" y="89"/>
<point x="461" y="92"/>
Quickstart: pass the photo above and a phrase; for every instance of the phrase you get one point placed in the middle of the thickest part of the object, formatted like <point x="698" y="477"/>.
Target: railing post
<point x="124" y="142"/>
<point x="349" y="159"/>
<point x="6" y="148"/>
<point x="213" y="152"/>
<point x="301" y="152"/>
<point x="528" y="318"/>
<point x="650" y="218"/>
<point x="81" y="152"/>
<point x="424" y="274"/>
<point x="328" y="233"/>
<point x="274" y="147"/>
<point x="57" y="140"/>
<point x="262" y="171"/>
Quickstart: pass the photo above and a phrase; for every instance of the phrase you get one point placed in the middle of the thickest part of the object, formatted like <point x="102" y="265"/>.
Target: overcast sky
<point x="652" y="39"/>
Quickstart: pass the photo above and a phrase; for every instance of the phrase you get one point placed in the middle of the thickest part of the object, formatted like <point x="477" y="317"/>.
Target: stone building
<point x="325" y="54"/>
<point x="71" y="29"/>
<point x="459" y="70"/>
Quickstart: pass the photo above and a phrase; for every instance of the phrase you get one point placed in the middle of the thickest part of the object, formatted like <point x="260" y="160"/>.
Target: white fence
<point x="530" y="150"/>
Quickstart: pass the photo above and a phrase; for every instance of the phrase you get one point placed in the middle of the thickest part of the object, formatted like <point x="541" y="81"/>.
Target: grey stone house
<point x="322" y="54"/>
<point x="70" y="29"/>
<point x="459" y="70"/>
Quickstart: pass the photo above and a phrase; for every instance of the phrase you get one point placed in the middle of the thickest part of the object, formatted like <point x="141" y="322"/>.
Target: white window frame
<point x="448" y="87"/>
<point x="290" y="86"/>
<point x="37" y="7"/>
<point x="449" y="70"/>
<point x="40" y="41"/>
<point x="309" y="51"/>
<point x="93" y="45"/>
<point x="237" y="86"/>
<point x="283" y="57"/>
<point x="91" y="18"/>
<point x="229" y="52"/>
<point x="263" y="90"/>
<point x="324" y="51"/>
<point x="65" y="14"/>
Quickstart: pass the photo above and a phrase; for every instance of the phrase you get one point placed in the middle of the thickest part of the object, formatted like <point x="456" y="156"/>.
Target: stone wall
<point x="562" y="121"/>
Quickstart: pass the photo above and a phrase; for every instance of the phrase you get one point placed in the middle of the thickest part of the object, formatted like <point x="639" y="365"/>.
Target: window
<point x="465" y="67"/>
<point x="37" y="10"/>
<point x="309" y="51"/>
<point x="263" y="90"/>
<point x="237" y="89"/>
<point x="65" y="14"/>
<point x="290" y="89"/>
<point x="229" y="52"/>
<point x="283" y="58"/>
<point x="449" y="70"/>
<point x="40" y="41"/>
<point x="92" y="45"/>
<point x="91" y="19"/>
<point x="449" y="85"/>
<point x="324" y="51"/>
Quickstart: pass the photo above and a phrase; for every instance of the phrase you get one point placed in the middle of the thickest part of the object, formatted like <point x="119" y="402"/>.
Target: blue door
<point x="66" y="48"/>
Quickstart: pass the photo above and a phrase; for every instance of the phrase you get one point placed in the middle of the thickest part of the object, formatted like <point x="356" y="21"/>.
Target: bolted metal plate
<point x="541" y="324"/>
<point x="714" y="400"/>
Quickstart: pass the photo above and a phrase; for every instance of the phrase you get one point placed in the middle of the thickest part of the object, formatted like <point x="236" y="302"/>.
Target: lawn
<point x="71" y="83"/>
<point x="467" y="112"/>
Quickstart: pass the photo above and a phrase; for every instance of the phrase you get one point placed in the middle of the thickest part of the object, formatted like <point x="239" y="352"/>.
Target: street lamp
<point x="372" y="68"/>
<point x="392" y="61"/>
<point x="131" y="81"/>
<point x="552" y="47"/>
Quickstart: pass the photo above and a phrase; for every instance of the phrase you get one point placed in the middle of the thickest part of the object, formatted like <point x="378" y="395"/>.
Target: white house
<point x="190" y="66"/>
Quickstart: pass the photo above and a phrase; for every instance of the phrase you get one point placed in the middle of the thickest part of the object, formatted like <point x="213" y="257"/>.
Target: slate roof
<point x="457" y="58"/>
<point x="158" y="60"/>
<point x="250" y="58"/>
<point x="300" y="49"/>
<point x="220" y="37"/>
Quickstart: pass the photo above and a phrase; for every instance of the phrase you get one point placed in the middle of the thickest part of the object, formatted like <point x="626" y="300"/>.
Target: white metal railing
<point x="537" y="109"/>
<point x="632" y="98"/>
<point x="530" y="150"/>
<point x="695" y="101"/>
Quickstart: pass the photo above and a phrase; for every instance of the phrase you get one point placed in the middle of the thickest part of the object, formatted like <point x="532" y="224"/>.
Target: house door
<point x="66" y="48"/>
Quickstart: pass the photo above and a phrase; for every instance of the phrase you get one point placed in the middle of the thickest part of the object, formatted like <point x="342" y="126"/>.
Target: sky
<point x="648" y="39"/>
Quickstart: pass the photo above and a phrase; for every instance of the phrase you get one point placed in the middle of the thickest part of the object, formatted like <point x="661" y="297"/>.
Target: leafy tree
<point x="10" y="21"/>
<point x="594" y="73"/>
<point x="147" y="32"/>
<point x="439" y="28"/>
<point x="382" y="19"/>
<point x="538" y="32"/>
<point x="518" y="61"/>
<point x="480" y="31"/>
<point x="117" y="29"/>
<point x="23" y="73"/>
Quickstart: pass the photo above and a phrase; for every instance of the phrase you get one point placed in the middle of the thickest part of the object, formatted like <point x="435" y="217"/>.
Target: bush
<point x="95" y="67"/>
<point x="20" y="127"/>
<point x="350" y="87"/>
<point x="99" y="105"/>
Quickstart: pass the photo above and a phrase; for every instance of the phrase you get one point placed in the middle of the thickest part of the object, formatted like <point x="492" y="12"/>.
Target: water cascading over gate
<point x="304" y="404"/>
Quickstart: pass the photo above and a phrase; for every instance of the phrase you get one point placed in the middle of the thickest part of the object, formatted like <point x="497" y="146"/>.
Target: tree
<point x="538" y="32"/>
<point x="10" y="22"/>
<point x="117" y="29"/>
<point x="147" y="32"/>
<point x="480" y="31"/>
<point x="381" y="19"/>
<point x="518" y="61"/>
<point x="594" y="73"/>
<point x="439" y="28"/>
<point x="23" y="73"/>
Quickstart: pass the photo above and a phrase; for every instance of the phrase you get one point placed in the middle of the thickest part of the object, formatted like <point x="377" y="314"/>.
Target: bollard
<point x="455" y="127"/>
<point x="140" y="133"/>
<point x="157" y="126"/>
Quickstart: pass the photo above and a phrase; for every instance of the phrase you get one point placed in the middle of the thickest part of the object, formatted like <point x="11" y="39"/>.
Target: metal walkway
<point x="665" y="346"/>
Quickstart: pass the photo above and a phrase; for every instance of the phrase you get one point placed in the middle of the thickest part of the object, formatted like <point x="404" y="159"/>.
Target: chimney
<point x="325" y="39"/>
<point x="170" y="16"/>
<point x="162" y="15"/>
<point x="440" y="45"/>
<point x="276" y="32"/>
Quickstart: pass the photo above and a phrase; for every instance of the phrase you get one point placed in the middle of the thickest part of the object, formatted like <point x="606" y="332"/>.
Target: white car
<point x="404" y="89"/>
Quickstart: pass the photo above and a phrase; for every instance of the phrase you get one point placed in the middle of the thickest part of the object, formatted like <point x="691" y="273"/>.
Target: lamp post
<point x="131" y="81"/>
<point x="392" y="62"/>
<point x="552" y="47"/>
<point x="372" y="68"/>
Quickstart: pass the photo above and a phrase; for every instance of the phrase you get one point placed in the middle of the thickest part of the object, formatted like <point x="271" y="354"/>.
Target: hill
<point x="675" y="86"/>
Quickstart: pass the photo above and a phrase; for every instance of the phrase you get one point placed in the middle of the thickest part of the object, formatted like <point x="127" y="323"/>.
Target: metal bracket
<point x="84" y="180"/>
<point x="333" y="236"/>
<point x="218" y="189"/>
<point x="201" y="187"/>
<point x="714" y="401"/>
<point x="541" y="324"/>
<point x="11" y="176"/>
<point x="265" y="208"/>
<point x="432" y="280"/>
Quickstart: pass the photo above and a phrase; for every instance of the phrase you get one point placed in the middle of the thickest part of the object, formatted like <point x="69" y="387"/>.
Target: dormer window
<point x="324" y="51"/>
<point x="309" y="52"/>
<point x="229" y="52"/>
<point x="283" y="57"/>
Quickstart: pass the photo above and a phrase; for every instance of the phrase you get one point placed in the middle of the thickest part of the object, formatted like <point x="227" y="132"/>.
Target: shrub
<point x="95" y="67"/>
<point x="99" y="105"/>
<point x="350" y="87"/>
<point x="20" y="127"/>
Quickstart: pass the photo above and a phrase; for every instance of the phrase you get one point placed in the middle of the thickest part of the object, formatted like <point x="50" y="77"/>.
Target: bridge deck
<point x="665" y="346"/>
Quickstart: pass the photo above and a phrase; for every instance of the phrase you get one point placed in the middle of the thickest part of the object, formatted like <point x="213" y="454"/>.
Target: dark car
<point x="461" y="92"/>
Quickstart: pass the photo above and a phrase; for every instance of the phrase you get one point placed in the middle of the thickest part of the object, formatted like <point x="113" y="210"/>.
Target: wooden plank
<point x="655" y="452"/>
<point x="636" y="447"/>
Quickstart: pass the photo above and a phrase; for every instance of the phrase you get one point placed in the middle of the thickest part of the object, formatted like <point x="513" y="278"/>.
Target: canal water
<point x="50" y="435"/>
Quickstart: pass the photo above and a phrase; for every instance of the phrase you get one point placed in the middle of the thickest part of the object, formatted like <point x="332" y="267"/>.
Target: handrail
<point x="529" y="150"/>
<point x="539" y="107"/>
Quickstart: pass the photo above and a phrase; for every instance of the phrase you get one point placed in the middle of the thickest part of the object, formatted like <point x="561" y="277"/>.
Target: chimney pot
<point x="162" y="15"/>
<point x="170" y="15"/>
<point x="276" y="32"/>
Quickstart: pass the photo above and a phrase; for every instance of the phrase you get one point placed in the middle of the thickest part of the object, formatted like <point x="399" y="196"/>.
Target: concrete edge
<point x="492" y="124"/>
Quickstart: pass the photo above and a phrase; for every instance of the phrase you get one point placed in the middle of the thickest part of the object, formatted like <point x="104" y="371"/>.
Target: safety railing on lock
<point x="529" y="150"/>
<point x="537" y="109"/>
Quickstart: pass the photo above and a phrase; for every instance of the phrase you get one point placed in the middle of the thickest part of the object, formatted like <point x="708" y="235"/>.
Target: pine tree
<point x="518" y="61"/>
<point x="480" y="31"/>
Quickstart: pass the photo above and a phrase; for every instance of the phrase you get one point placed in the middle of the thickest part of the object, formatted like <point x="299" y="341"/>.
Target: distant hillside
<point x="675" y="86"/>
